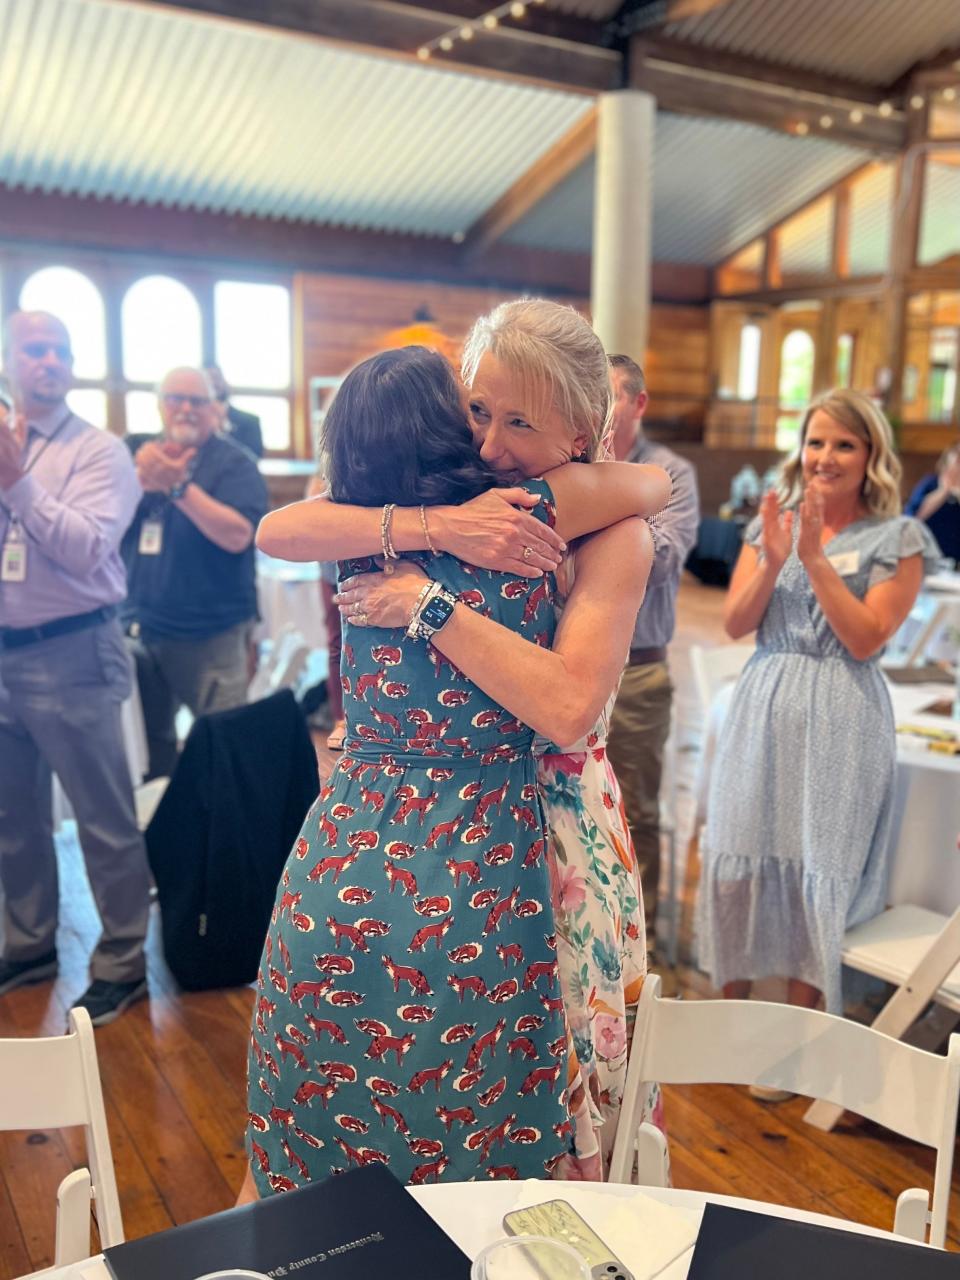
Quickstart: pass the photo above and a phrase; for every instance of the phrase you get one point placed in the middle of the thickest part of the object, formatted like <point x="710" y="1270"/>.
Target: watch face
<point x="436" y="612"/>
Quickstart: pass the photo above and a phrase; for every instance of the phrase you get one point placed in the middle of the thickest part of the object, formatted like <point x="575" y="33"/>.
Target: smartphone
<point x="558" y="1220"/>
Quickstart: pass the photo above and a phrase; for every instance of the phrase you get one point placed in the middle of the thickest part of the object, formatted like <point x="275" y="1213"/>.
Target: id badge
<point x="13" y="559"/>
<point x="151" y="538"/>
<point x="846" y="563"/>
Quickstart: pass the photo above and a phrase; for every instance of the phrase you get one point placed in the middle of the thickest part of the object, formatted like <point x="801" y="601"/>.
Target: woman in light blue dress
<point x="800" y="806"/>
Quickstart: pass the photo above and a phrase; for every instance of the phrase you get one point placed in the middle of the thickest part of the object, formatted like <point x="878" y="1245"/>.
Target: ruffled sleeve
<point x="902" y="537"/>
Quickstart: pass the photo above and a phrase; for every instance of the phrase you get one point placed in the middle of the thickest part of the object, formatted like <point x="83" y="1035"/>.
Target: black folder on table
<point x="357" y="1224"/>
<point x="735" y="1244"/>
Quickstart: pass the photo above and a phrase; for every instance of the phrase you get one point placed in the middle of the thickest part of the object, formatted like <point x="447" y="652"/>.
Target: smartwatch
<point x="436" y="613"/>
<point x="178" y="490"/>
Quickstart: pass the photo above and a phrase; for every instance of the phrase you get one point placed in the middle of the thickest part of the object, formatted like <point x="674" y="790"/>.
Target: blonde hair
<point x="557" y="358"/>
<point x="860" y="416"/>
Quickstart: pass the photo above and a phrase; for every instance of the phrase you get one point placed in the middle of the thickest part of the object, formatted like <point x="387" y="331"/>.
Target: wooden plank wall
<point x="340" y="319"/>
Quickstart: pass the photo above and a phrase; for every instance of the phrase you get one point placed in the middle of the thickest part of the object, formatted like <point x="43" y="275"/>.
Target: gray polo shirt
<point x="675" y="534"/>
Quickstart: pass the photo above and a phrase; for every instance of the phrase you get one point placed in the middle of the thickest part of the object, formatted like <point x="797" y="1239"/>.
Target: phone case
<point x="558" y="1220"/>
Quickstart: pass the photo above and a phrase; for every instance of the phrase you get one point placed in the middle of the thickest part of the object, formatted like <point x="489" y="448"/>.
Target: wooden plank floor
<point x="173" y="1075"/>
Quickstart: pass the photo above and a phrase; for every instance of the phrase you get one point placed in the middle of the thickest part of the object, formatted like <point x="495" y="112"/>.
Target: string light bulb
<point x="826" y="122"/>
<point x="801" y="128"/>
<point x="423" y="53"/>
<point x="446" y="44"/>
<point x="949" y="94"/>
<point x="517" y="9"/>
<point x="856" y="116"/>
<point x="466" y="33"/>
<point x="916" y="101"/>
<point x="491" y="21"/>
<point x="885" y="109"/>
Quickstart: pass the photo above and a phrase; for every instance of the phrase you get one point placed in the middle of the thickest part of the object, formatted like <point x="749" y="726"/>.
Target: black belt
<point x="17" y="637"/>
<point x="644" y="657"/>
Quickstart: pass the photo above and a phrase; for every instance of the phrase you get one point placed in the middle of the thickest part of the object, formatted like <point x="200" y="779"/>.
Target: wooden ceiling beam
<point x="515" y="51"/>
<point x="742" y="89"/>
<point x="542" y="177"/>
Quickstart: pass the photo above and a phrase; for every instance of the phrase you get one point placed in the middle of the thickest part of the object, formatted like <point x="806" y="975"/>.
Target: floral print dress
<point x="601" y="935"/>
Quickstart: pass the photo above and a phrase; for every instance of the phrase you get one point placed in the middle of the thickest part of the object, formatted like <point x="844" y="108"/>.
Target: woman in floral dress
<point x="511" y="359"/>
<point x="408" y="1009"/>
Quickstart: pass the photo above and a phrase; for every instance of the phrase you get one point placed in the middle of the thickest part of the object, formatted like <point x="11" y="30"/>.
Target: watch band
<point x="435" y="613"/>
<point x="178" y="490"/>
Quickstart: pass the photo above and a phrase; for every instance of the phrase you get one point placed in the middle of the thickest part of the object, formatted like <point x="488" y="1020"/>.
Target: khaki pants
<point x="638" y="734"/>
<point x="208" y="674"/>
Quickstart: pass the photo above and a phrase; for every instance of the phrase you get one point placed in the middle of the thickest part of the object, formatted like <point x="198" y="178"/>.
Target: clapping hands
<point x="161" y="465"/>
<point x="777" y="531"/>
<point x="810" y="538"/>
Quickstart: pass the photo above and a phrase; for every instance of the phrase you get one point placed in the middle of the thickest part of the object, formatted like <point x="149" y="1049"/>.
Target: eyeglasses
<point x="37" y="350"/>
<point x="173" y="400"/>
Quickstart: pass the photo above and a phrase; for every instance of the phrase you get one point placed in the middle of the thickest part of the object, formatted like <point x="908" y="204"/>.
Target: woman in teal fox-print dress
<point x="512" y="359"/>
<point x="409" y="1009"/>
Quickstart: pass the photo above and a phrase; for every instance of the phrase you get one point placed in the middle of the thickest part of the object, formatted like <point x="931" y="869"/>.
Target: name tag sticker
<point x="846" y="563"/>
<point x="151" y="538"/>
<point x="13" y="562"/>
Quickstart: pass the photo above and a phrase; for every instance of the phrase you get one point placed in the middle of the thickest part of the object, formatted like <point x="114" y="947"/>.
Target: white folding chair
<point x="745" y="1042"/>
<point x="916" y="950"/>
<point x="716" y="666"/>
<point x="54" y="1083"/>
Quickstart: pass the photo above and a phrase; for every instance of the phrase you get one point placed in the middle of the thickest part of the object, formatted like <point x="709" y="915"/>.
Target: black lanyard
<point x="47" y="443"/>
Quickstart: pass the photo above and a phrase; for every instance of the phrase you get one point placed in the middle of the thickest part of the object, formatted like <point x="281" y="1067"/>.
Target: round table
<point x="471" y="1214"/>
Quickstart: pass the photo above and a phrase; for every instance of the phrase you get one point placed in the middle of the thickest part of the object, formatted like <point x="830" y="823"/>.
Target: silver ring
<point x="527" y="553"/>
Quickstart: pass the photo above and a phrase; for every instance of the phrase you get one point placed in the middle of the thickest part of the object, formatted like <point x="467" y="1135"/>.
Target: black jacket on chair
<point x="221" y="835"/>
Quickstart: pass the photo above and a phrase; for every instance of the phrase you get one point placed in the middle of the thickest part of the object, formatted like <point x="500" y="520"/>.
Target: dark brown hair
<point x="397" y="431"/>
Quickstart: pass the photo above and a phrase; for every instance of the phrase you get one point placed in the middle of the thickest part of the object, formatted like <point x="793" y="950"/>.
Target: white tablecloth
<point x="471" y="1213"/>
<point x="289" y="597"/>
<point x="924" y="862"/>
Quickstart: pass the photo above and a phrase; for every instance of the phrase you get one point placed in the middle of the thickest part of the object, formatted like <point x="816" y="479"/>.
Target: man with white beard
<point x="190" y="564"/>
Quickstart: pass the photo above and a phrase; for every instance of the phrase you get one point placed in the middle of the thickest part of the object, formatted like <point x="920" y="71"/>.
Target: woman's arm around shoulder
<point x="592" y="496"/>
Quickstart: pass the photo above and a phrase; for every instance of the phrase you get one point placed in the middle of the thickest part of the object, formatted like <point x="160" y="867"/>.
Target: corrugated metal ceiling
<point x="109" y="100"/>
<point x="872" y="41"/>
<point x="716" y="185"/>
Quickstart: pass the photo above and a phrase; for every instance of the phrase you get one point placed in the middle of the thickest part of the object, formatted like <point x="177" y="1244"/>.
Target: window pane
<point x="749" y="370"/>
<point x="252" y="323"/>
<point x="805" y="241"/>
<point x="796" y="370"/>
<point x="274" y="415"/>
<point x="871" y="217"/>
<point x="76" y="300"/>
<point x="845" y="359"/>
<point x="90" y="404"/>
<point x="161" y="328"/>
<point x="143" y="415"/>
<point x="940" y="223"/>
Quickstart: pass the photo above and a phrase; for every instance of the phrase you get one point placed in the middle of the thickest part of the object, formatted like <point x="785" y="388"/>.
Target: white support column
<point x="622" y="221"/>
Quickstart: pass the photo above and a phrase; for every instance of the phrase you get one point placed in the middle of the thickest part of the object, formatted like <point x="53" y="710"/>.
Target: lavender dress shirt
<point x="73" y="507"/>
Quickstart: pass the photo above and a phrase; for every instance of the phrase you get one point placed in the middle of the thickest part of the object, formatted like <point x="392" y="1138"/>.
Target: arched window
<point x="161" y="328"/>
<point x="748" y="365"/>
<point x="797" y="354"/>
<point x="73" y="298"/>
<point x="252" y="327"/>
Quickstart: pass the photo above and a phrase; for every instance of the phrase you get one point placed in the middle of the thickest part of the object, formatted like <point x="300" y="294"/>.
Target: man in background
<point x="641" y="716"/>
<point x="237" y="423"/>
<point x="190" y="562"/>
<point x="67" y="493"/>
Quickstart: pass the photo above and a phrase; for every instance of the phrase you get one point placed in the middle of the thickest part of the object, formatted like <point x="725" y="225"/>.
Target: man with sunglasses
<point x="67" y="493"/>
<point x="190" y="562"/>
